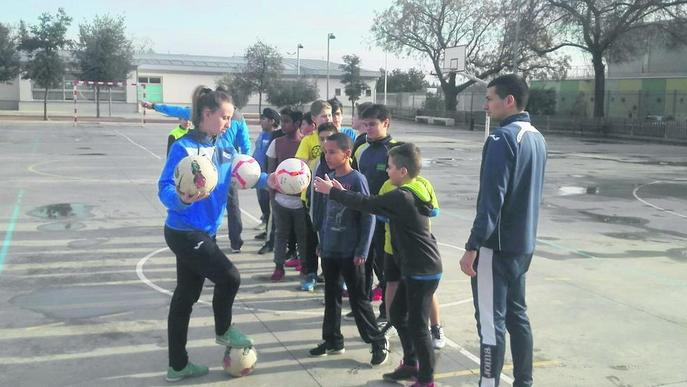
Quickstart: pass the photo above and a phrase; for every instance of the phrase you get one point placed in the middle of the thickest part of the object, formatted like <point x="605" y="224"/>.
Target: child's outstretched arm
<point x="387" y="205"/>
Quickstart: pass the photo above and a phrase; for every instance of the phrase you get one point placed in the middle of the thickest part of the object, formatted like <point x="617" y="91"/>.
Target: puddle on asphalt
<point x="440" y="161"/>
<point x="612" y="219"/>
<point x="576" y="190"/>
<point x="67" y="216"/>
<point x="61" y="211"/>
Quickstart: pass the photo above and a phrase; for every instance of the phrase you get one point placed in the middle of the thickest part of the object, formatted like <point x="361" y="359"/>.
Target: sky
<point x="227" y="28"/>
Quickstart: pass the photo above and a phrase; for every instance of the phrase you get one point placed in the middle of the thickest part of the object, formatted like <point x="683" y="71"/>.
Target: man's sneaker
<point x="380" y="353"/>
<point x="377" y="294"/>
<point x="349" y="316"/>
<point x="234" y="338"/>
<point x="262" y="236"/>
<point x="402" y="372"/>
<point x="191" y="370"/>
<point x="260" y="227"/>
<point x="423" y="384"/>
<point x="438" y="340"/>
<point x="278" y="274"/>
<point x="309" y="282"/>
<point x="322" y="350"/>
<point x="293" y="262"/>
<point x="235" y="251"/>
<point x="266" y="248"/>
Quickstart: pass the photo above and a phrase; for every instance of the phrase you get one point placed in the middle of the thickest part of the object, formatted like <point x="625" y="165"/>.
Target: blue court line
<point x="10" y="229"/>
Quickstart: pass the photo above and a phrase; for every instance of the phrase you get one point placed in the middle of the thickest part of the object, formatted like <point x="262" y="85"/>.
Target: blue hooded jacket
<point x="237" y="133"/>
<point x="205" y="215"/>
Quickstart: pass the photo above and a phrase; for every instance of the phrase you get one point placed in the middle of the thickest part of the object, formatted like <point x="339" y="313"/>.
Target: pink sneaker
<point x="278" y="275"/>
<point x="293" y="262"/>
<point x="423" y="384"/>
<point x="377" y="294"/>
<point x="299" y="268"/>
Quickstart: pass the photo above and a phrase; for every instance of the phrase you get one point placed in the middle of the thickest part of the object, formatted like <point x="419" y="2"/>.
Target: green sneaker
<point x="190" y="371"/>
<point x="234" y="338"/>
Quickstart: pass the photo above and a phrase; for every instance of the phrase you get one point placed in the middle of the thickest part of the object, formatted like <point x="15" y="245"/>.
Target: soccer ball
<point x="293" y="176"/>
<point x="239" y="362"/>
<point x="195" y="174"/>
<point x="245" y="171"/>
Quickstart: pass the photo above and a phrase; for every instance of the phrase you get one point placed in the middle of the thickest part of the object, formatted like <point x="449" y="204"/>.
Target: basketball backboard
<point x="454" y="59"/>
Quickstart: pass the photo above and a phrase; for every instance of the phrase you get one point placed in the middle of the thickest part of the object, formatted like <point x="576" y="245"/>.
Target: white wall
<point x="9" y="94"/>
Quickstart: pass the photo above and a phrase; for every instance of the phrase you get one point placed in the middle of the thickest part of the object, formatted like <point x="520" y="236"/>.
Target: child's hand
<point x="337" y="185"/>
<point x="146" y="104"/>
<point x="357" y="261"/>
<point x="323" y="186"/>
<point x="272" y="181"/>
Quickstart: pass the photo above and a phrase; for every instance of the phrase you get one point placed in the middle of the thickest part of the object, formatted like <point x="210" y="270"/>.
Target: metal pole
<point x="74" y="98"/>
<point x="109" y="102"/>
<point x="143" y="116"/>
<point x="328" y="39"/>
<point x="298" y="58"/>
<point x="386" y="71"/>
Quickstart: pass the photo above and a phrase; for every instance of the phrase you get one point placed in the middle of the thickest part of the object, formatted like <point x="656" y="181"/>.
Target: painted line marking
<point x="475" y="371"/>
<point x="10" y="229"/>
<point x="636" y="191"/>
<point x="137" y="144"/>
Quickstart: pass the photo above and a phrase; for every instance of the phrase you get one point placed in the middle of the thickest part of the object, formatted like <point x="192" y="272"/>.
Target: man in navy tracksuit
<point x="499" y="250"/>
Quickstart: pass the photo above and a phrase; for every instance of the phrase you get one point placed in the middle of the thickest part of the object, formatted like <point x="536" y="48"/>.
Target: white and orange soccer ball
<point x="195" y="174"/>
<point x="239" y="362"/>
<point x="245" y="171"/>
<point x="293" y="176"/>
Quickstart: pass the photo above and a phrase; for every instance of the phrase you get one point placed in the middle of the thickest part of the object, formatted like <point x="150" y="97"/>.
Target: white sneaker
<point x="437" y="332"/>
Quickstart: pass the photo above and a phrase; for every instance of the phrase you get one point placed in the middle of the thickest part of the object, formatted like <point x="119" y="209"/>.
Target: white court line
<point x="137" y="144"/>
<point x="139" y="271"/>
<point x="636" y="190"/>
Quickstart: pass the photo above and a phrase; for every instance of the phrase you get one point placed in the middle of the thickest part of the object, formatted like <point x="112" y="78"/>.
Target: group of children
<point x="367" y="211"/>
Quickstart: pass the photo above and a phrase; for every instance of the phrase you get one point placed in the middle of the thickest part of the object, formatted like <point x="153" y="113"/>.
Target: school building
<point x="170" y="79"/>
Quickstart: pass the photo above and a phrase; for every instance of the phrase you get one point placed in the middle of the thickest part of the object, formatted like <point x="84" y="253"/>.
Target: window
<point x="368" y="93"/>
<point x="337" y="92"/>
<point x="149" y="80"/>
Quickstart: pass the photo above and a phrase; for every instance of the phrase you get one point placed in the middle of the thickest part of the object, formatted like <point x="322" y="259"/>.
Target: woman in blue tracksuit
<point x="190" y="230"/>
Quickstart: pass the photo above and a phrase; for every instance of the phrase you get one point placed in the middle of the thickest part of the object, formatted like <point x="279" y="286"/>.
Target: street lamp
<point x="298" y="59"/>
<point x="330" y="36"/>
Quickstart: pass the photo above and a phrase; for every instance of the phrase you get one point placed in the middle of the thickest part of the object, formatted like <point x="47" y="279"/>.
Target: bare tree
<point x="487" y="28"/>
<point x="598" y="26"/>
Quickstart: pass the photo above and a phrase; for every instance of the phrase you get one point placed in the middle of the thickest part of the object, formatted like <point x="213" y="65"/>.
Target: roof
<point x="232" y="64"/>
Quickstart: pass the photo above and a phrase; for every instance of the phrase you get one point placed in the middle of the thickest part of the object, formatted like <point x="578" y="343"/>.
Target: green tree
<point x="411" y="81"/>
<point x="294" y="93"/>
<point x="9" y="55"/>
<point x="354" y="84"/>
<point x="104" y="53"/>
<point x="489" y="29"/>
<point x="238" y="88"/>
<point x="597" y="26"/>
<point x="263" y="69"/>
<point x="42" y="44"/>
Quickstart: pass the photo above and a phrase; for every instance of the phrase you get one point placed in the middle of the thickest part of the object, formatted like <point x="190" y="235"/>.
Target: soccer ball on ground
<point x="239" y="362"/>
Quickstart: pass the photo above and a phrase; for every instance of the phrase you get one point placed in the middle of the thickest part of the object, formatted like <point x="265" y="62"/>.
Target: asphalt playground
<point x="85" y="275"/>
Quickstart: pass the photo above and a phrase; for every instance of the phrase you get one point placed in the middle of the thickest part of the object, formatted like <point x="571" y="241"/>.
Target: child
<point x="408" y="210"/>
<point x="309" y="150"/>
<point x="288" y="210"/>
<point x="371" y="159"/>
<point x="337" y="119"/>
<point x="392" y="270"/>
<point x="344" y="243"/>
<point x="178" y="132"/>
<point x="259" y="154"/>
<point x="316" y="209"/>
<point x="191" y="228"/>
<point x="269" y="118"/>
